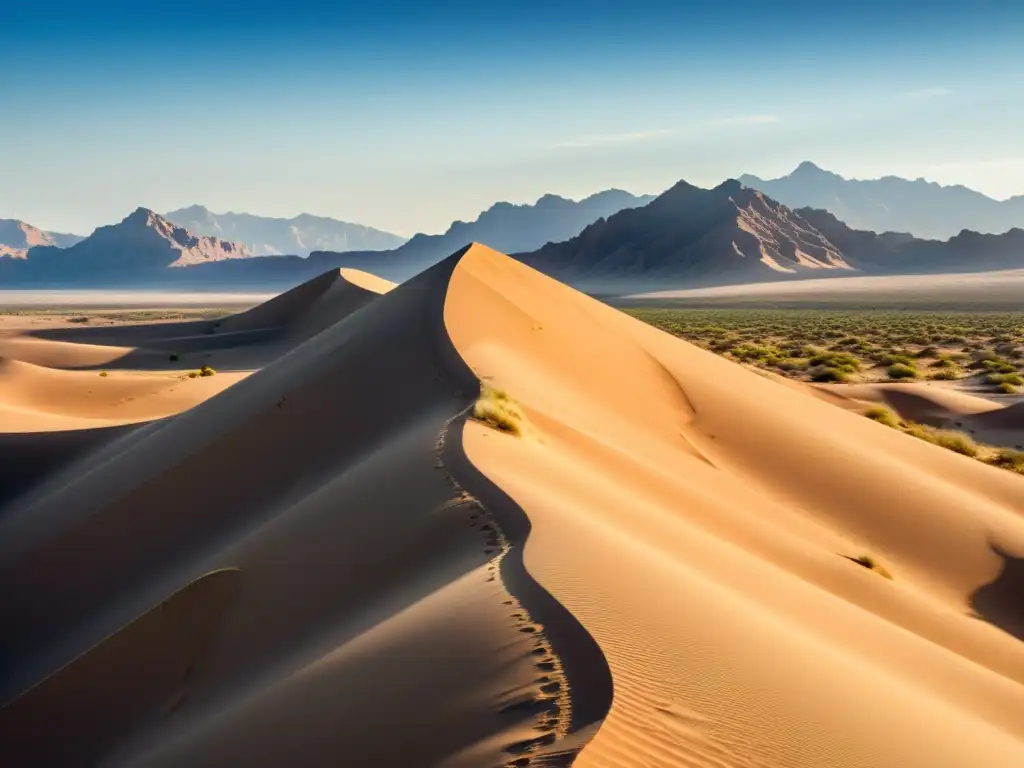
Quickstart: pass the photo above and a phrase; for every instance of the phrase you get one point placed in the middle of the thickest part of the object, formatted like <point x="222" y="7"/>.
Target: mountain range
<point x="729" y="233"/>
<point x="687" y="236"/>
<point x="267" y="236"/>
<point x="505" y="227"/>
<point x="139" y="248"/>
<point x="892" y="204"/>
<point x="17" y="237"/>
<point x="733" y="234"/>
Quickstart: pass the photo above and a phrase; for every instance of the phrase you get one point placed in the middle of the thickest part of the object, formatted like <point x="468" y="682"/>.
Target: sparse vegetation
<point x="496" y="409"/>
<point x="103" y="374"/>
<point x="1008" y="458"/>
<point x="206" y="371"/>
<point x="901" y="371"/>
<point x="884" y="416"/>
<point x="857" y="345"/>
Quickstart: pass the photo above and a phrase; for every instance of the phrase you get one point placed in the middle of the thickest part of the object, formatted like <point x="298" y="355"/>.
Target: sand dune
<point x="330" y="563"/>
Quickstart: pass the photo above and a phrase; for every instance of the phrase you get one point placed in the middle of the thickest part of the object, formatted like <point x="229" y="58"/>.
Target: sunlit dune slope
<point x="694" y="517"/>
<point x="33" y="398"/>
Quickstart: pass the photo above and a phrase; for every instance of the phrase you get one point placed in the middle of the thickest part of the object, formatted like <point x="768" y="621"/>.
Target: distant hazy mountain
<point x="139" y="247"/>
<point x="505" y="227"/>
<point x="891" y="204"/>
<point x="900" y="253"/>
<point x="685" y="237"/>
<point x="16" y="237"/>
<point x="64" y="239"/>
<point x="265" y="236"/>
<point x="727" y="234"/>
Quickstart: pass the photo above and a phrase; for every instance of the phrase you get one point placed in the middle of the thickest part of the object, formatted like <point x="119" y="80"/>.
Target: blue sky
<point x="406" y="115"/>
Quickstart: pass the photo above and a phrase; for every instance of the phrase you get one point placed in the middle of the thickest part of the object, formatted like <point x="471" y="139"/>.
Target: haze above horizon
<point x="406" y="117"/>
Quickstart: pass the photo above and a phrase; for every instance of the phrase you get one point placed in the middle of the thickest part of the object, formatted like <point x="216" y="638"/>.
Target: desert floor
<point x="481" y="519"/>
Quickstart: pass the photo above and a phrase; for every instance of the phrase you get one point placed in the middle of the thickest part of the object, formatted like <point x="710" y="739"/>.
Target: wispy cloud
<point x="614" y="138"/>
<point x="747" y="120"/>
<point x="927" y="93"/>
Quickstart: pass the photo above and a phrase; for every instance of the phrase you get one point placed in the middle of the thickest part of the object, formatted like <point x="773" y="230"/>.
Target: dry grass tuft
<point x="883" y="415"/>
<point x="497" y="410"/>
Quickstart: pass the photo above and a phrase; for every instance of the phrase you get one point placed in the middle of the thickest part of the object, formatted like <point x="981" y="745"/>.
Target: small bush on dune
<point x="1013" y="379"/>
<point x="823" y="373"/>
<point x="956" y="441"/>
<point x="1008" y="458"/>
<point x="173" y="357"/>
<point x="1007" y="388"/>
<point x="901" y="371"/>
<point x="103" y="374"/>
<point x="206" y="371"/>
<point x="946" y="374"/>
<point x="883" y="415"/>
<point x="496" y="409"/>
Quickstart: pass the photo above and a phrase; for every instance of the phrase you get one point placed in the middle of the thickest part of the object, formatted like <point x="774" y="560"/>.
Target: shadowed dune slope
<point x="246" y="340"/>
<point x="65" y="391"/>
<point x="316" y="304"/>
<point x="697" y="519"/>
<point x="370" y="610"/>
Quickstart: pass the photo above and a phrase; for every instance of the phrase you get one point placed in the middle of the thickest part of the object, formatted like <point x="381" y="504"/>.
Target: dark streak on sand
<point x="574" y="654"/>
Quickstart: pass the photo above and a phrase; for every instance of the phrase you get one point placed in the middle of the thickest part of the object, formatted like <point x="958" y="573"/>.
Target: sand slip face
<point x="691" y="515"/>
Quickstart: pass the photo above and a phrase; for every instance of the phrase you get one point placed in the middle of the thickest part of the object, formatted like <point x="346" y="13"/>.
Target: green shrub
<point x="824" y="373"/>
<point x="890" y="359"/>
<point x="956" y="441"/>
<point x="883" y="415"/>
<point x="206" y="371"/>
<point x="901" y="371"/>
<point x="103" y="374"/>
<point x="1008" y="458"/>
<point x="1007" y="388"/>
<point x="946" y="374"/>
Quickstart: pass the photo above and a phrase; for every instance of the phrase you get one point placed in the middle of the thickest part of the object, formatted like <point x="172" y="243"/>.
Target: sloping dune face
<point x="291" y="573"/>
<point x="698" y="520"/>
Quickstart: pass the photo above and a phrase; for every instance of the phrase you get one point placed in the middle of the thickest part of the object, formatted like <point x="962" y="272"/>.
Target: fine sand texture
<point x="628" y="552"/>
